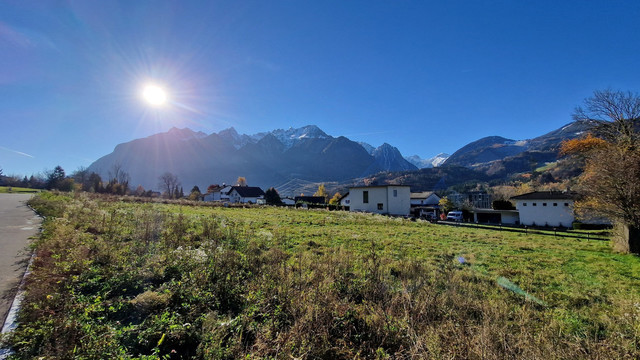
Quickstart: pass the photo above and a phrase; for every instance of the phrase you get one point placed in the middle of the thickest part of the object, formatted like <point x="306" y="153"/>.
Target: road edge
<point x="10" y="322"/>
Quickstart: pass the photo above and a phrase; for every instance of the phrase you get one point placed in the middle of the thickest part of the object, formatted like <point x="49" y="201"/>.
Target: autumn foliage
<point x="581" y="145"/>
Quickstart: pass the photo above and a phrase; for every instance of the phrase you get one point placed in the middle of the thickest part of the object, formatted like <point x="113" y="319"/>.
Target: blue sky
<point x="424" y="76"/>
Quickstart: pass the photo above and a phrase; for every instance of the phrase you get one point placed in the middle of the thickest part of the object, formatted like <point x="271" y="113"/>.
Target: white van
<point x="454" y="215"/>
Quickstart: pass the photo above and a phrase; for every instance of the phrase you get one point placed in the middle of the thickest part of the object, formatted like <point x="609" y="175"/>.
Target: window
<point x="535" y="204"/>
<point x="395" y="193"/>
<point x="566" y="204"/>
<point x="380" y="206"/>
<point x="555" y="204"/>
<point x="544" y="204"/>
<point x="365" y="197"/>
<point x="524" y="204"/>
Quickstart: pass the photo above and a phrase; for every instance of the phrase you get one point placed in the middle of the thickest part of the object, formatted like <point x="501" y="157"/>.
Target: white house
<point x="545" y="208"/>
<point x="383" y="199"/>
<point x="345" y="200"/>
<point x="245" y="194"/>
<point x="425" y="198"/>
<point x="218" y="194"/>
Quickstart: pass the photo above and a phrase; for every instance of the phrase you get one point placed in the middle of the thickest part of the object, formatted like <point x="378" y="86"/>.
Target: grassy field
<point x="13" y="189"/>
<point x="127" y="279"/>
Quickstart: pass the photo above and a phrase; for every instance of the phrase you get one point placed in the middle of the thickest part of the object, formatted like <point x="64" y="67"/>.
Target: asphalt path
<point x="18" y="223"/>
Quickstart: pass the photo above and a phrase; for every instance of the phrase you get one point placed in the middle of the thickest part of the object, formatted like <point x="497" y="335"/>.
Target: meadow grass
<point x="13" y="189"/>
<point x="123" y="279"/>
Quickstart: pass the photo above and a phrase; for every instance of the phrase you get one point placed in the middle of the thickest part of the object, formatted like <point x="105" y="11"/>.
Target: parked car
<point x="425" y="214"/>
<point x="454" y="216"/>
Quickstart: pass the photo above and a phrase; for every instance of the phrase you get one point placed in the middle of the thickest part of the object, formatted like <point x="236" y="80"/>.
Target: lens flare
<point x="154" y="95"/>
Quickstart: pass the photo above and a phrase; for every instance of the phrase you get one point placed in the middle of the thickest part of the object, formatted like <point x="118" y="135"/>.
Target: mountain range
<point x="264" y="159"/>
<point x="309" y="155"/>
<point x="499" y="157"/>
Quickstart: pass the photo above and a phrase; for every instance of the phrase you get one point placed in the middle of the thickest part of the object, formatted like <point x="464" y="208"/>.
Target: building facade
<point x="383" y="199"/>
<point x="545" y="208"/>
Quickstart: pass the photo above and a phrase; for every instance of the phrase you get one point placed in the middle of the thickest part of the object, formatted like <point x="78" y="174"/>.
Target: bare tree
<point x="169" y="183"/>
<point x="118" y="175"/>
<point x="615" y="114"/>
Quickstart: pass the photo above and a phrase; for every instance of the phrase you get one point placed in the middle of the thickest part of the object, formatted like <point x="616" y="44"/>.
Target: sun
<point x="154" y="95"/>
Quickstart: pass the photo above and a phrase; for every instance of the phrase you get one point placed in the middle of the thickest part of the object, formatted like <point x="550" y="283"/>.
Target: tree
<point x="95" y="183"/>
<point x="335" y="199"/>
<point x="195" y="193"/>
<point x="55" y="177"/>
<point x="502" y="205"/>
<point x="610" y="183"/>
<point x="118" y="180"/>
<point x="615" y="115"/>
<point x="322" y="192"/>
<point x="140" y="191"/>
<point x="272" y="197"/>
<point x="242" y="181"/>
<point x="168" y="183"/>
<point x="212" y="188"/>
<point x="445" y="204"/>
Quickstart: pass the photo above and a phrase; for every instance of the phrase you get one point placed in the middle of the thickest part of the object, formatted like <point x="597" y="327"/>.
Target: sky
<point x="424" y="76"/>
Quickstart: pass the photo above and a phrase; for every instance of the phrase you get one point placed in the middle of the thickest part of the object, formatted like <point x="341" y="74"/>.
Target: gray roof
<point x="248" y="191"/>
<point x="376" y="186"/>
<point x="546" y="195"/>
<point x="421" y="195"/>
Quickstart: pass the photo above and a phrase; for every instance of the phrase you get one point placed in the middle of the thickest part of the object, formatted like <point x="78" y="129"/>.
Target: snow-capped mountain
<point x="438" y="159"/>
<point x="265" y="159"/>
<point x="421" y="163"/>
<point x="291" y="136"/>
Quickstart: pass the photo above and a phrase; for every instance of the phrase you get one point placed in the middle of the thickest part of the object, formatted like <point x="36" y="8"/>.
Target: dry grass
<point x="116" y="280"/>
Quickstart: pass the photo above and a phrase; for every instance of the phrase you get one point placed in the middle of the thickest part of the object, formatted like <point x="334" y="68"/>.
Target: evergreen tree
<point x="272" y="197"/>
<point x="55" y="177"/>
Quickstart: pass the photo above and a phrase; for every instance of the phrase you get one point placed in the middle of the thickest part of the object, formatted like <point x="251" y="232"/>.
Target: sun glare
<point x="154" y="95"/>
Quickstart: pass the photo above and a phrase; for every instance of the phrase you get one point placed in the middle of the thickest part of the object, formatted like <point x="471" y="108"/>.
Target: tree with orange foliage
<point x="582" y="146"/>
<point x="610" y="183"/>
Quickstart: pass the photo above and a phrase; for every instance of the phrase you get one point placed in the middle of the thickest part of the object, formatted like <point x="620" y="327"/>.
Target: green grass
<point x="13" y="189"/>
<point x="547" y="166"/>
<point x="122" y="279"/>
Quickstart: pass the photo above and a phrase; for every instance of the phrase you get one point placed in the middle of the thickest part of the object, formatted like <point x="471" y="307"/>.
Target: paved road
<point x="17" y="224"/>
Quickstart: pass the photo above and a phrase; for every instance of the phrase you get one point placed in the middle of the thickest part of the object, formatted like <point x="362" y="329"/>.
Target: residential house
<point x="425" y="198"/>
<point x="218" y="194"/>
<point x="245" y="194"/>
<point x="425" y="204"/>
<point x="546" y="208"/>
<point x="381" y="199"/>
<point x="211" y="193"/>
<point x="345" y="201"/>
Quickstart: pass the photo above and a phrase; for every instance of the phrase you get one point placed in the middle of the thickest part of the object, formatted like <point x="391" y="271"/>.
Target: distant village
<point x="534" y="209"/>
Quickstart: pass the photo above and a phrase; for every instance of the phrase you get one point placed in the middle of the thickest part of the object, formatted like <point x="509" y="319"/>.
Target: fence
<point x="553" y="232"/>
